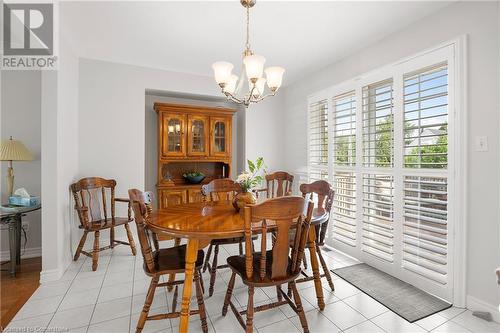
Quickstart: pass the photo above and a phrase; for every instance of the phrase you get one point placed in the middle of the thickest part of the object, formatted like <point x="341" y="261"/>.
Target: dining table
<point x="201" y="222"/>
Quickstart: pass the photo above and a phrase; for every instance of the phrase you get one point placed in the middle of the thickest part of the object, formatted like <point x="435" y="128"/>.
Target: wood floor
<point x="14" y="292"/>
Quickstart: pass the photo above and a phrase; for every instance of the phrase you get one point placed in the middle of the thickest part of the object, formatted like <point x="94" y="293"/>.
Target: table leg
<point x="13" y="247"/>
<point x="19" y="226"/>
<point x="191" y="254"/>
<point x="311" y="245"/>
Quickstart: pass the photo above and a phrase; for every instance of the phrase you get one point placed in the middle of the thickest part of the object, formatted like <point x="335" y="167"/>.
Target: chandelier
<point x="251" y="75"/>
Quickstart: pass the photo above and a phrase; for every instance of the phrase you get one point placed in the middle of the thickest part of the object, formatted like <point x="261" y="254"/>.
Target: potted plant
<point x="248" y="181"/>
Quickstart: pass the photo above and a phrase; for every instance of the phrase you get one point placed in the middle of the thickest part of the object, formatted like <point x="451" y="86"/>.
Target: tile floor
<point x="110" y="300"/>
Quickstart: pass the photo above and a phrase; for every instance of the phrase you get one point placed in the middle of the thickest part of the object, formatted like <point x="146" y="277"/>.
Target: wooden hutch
<point x="191" y="138"/>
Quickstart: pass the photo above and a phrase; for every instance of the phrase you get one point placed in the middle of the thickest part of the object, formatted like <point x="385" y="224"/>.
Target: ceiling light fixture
<point x="252" y="70"/>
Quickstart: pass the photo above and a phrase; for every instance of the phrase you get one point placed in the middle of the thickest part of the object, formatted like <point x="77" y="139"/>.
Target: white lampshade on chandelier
<point x="252" y="74"/>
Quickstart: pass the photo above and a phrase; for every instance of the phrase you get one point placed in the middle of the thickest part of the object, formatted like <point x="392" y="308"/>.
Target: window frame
<point x="454" y="52"/>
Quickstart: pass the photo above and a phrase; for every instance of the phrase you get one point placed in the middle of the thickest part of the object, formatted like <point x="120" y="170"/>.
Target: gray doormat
<point x="402" y="298"/>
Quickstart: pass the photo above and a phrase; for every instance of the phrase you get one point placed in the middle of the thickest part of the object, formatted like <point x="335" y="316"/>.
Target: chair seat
<point x="172" y="260"/>
<point x="106" y="224"/>
<point x="237" y="264"/>
<point x="235" y="240"/>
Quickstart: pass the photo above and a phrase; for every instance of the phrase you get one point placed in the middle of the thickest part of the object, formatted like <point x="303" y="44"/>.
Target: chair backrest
<point x="323" y="192"/>
<point x="324" y="197"/>
<point x="279" y="184"/>
<point x="279" y="215"/>
<point x="220" y="189"/>
<point x="141" y="204"/>
<point x="94" y="199"/>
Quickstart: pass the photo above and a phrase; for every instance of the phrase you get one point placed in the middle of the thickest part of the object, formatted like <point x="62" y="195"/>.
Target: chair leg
<point x="325" y="268"/>
<point x="241" y="248"/>
<point x="213" y="271"/>
<point x="249" y="326"/>
<point x="201" y="304"/>
<point x="304" y="260"/>
<point x="201" y="282"/>
<point x="229" y="293"/>
<point x="300" y="309"/>
<point x="130" y="239"/>
<point x="171" y="277"/>
<point x="80" y="245"/>
<point x="147" y="304"/>
<point x="112" y="237"/>
<point x="174" y="298"/>
<point x="207" y="258"/>
<point x="95" y="252"/>
<point x="278" y="293"/>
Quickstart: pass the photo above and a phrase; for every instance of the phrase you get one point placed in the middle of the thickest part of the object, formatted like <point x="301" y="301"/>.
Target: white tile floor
<point x="110" y="300"/>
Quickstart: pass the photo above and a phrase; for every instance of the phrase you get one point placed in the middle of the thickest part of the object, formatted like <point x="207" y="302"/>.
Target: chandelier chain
<point x="248" y="29"/>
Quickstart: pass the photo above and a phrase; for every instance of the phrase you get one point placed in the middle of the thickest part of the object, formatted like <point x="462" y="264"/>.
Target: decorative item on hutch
<point x="192" y="140"/>
<point x="248" y="181"/>
<point x="251" y="73"/>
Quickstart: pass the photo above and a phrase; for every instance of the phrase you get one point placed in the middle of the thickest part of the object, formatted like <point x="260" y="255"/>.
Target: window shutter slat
<point x="378" y="215"/>
<point x="344" y="130"/>
<point x="344" y="208"/>
<point x="426" y="118"/>
<point x="425" y="234"/>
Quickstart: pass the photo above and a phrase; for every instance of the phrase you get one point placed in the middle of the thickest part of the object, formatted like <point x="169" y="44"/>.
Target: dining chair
<point x="322" y="193"/>
<point x="277" y="266"/>
<point x="162" y="261"/>
<point x="219" y="190"/>
<point x="95" y="204"/>
<point x="278" y="184"/>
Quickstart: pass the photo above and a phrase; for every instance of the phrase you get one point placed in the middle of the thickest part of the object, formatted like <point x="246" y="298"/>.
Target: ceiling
<point x="190" y="36"/>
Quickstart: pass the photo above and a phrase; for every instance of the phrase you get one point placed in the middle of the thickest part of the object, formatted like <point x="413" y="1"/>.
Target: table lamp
<point x="13" y="150"/>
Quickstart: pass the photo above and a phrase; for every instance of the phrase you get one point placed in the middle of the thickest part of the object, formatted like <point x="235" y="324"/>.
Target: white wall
<point x="20" y="118"/>
<point x="479" y="20"/>
<point x="265" y="131"/>
<point x="59" y="160"/>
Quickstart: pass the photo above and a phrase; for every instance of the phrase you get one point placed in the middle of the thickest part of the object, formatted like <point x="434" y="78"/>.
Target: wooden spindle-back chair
<point x="322" y="193"/>
<point x="95" y="204"/>
<point x="278" y="184"/>
<point x="280" y="265"/>
<point x="219" y="190"/>
<point x="165" y="261"/>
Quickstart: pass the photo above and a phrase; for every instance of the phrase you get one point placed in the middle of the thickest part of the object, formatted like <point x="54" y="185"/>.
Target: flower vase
<point x="243" y="199"/>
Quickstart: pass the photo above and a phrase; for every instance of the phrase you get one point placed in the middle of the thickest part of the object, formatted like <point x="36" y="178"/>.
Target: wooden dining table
<point x="201" y="222"/>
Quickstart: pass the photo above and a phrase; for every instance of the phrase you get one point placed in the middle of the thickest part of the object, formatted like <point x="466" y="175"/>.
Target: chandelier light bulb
<point x="222" y="72"/>
<point x="254" y="65"/>
<point x="230" y="87"/>
<point x="274" y="77"/>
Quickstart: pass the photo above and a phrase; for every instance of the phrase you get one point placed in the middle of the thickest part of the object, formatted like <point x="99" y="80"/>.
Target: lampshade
<point x="222" y="71"/>
<point x="274" y="77"/>
<point x="13" y="150"/>
<point x="254" y="65"/>
<point x="231" y="84"/>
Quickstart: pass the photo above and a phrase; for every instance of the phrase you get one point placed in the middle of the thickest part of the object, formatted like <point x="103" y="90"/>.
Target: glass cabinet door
<point x="220" y="136"/>
<point x="173" y="135"/>
<point x="197" y="136"/>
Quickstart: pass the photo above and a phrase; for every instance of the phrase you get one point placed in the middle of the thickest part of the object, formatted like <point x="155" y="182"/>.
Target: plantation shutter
<point x="378" y="216"/>
<point x="344" y="208"/>
<point x="378" y="125"/>
<point x="318" y="140"/>
<point x="426" y="118"/>
<point x="344" y="129"/>
<point x="425" y="229"/>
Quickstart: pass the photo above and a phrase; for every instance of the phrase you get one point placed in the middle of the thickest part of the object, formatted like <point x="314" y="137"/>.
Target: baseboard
<point x="28" y="253"/>
<point x="475" y="304"/>
<point x="51" y="275"/>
